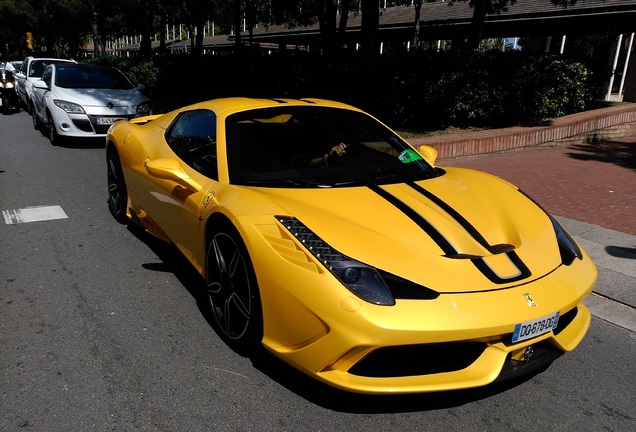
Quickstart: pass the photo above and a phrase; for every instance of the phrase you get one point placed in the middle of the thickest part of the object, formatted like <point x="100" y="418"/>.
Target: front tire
<point x="35" y="119"/>
<point x="117" y="192"/>
<point x="54" y="137"/>
<point x="232" y="291"/>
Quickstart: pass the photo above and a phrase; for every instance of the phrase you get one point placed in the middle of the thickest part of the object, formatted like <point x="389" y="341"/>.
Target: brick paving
<point x="588" y="182"/>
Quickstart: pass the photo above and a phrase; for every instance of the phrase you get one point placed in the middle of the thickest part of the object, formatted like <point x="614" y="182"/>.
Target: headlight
<point x="144" y="109"/>
<point x="69" y="107"/>
<point x="567" y="246"/>
<point x="362" y="280"/>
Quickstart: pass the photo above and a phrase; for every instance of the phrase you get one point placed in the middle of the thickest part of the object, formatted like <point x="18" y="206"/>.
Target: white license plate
<point x="108" y="120"/>
<point x="530" y="329"/>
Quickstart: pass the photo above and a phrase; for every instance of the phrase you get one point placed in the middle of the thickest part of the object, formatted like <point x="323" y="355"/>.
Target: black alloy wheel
<point x="232" y="291"/>
<point x="117" y="192"/>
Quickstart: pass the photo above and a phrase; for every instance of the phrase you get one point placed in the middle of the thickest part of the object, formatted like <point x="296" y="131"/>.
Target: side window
<point x="46" y="77"/>
<point x="192" y="136"/>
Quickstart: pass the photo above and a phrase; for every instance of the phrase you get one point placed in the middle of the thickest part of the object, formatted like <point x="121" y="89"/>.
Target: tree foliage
<point x="62" y="27"/>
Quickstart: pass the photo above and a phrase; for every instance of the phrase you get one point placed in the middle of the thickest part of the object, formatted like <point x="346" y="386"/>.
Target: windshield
<point x="36" y="68"/>
<point x="82" y="77"/>
<point x="286" y="147"/>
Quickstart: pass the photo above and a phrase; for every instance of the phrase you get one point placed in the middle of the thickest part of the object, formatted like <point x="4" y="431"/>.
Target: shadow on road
<point x="342" y="401"/>
<point x="621" y="252"/>
<point x="172" y="261"/>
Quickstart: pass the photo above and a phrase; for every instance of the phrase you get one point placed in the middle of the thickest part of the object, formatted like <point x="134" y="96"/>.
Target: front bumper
<point x="456" y="341"/>
<point x="83" y="125"/>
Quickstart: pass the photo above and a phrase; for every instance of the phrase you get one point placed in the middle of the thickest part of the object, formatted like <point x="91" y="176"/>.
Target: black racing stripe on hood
<point x="437" y="237"/>
<point x="524" y="271"/>
<point x="454" y="214"/>
<point x="480" y="263"/>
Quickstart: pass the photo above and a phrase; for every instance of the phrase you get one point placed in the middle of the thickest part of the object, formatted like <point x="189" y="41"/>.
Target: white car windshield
<point x="74" y="76"/>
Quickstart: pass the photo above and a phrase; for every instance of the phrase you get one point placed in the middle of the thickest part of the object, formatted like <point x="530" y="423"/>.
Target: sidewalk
<point x="614" y="253"/>
<point x="589" y="186"/>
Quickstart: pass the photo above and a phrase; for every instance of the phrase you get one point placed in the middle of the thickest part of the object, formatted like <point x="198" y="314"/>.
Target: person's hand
<point x="338" y="150"/>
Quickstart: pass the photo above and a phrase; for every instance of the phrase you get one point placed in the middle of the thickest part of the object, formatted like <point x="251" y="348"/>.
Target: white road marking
<point x="33" y="214"/>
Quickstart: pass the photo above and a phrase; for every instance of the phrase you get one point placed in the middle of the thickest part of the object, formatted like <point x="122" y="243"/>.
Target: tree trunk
<point x="162" y="33"/>
<point x="342" y="26"/>
<point x="198" y="38"/>
<point x="147" y="16"/>
<point x="237" y="25"/>
<point x="327" y="19"/>
<point x="477" y="24"/>
<point x="370" y="29"/>
<point x="98" y="45"/>
<point x="418" y="12"/>
<point x="370" y="51"/>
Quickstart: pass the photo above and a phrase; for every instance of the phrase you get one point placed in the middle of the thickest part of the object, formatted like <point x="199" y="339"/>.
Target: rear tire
<point x="5" y="106"/>
<point x="232" y="291"/>
<point x="117" y="191"/>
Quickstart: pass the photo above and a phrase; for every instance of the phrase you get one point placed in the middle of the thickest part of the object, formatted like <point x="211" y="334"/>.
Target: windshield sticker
<point x="409" y="155"/>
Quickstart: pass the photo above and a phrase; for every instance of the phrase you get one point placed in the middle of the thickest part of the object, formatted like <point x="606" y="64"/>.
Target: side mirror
<point x="40" y="85"/>
<point x="20" y="75"/>
<point x="171" y="169"/>
<point x="428" y="153"/>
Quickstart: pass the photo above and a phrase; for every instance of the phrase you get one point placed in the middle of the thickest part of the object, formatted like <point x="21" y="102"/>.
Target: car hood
<point x="464" y="226"/>
<point x="95" y="100"/>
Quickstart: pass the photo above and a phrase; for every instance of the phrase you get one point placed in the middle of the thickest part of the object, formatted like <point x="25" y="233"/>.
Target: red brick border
<point x="605" y="123"/>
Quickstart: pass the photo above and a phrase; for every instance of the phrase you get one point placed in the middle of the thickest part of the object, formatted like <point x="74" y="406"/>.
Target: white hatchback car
<point x="80" y="100"/>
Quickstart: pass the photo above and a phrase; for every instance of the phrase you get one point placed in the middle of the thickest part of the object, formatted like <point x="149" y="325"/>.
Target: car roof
<point x="233" y="104"/>
<point x="230" y="105"/>
<point x="30" y="60"/>
<point x="50" y="58"/>
<point x="82" y="66"/>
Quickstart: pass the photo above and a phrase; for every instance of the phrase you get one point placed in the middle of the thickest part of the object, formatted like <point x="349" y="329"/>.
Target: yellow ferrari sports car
<point x="325" y="237"/>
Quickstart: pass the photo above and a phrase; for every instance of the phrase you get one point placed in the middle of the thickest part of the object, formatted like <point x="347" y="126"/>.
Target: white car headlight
<point x="69" y="107"/>
<point x="144" y="109"/>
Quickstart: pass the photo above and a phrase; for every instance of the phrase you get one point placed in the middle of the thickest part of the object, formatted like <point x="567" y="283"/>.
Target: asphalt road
<point x="100" y="329"/>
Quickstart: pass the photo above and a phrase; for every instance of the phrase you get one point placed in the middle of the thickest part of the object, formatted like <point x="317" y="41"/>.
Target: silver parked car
<point x="80" y="100"/>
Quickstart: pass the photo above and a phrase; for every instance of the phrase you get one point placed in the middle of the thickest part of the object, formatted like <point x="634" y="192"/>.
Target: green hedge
<point x="490" y="89"/>
<point x="424" y="91"/>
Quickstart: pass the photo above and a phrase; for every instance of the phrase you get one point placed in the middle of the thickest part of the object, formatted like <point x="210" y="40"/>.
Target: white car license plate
<point x="534" y="328"/>
<point x="108" y="120"/>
